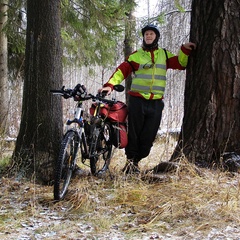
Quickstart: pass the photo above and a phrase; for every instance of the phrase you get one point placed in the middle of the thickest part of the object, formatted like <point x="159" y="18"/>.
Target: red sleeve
<point x="173" y="63"/>
<point x="185" y="50"/>
<point x="125" y="68"/>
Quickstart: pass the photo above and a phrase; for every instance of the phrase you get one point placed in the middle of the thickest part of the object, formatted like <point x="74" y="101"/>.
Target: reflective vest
<point x="149" y="80"/>
<point x="150" y="77"/>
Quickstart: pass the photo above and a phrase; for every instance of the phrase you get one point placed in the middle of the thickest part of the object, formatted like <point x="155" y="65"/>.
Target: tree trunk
<point x="4" y="97"/>
<point x="41" y="122"/>
<point x="212" y="95"/>
<point x="128" y="44"/>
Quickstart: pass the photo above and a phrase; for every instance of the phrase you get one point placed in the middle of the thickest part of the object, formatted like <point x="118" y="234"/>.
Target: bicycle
<point x="93" y="138"/>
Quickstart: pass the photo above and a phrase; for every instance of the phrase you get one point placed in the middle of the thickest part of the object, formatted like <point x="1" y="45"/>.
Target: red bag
<point x="116" y="113"/>
<point x="119" y="135"/>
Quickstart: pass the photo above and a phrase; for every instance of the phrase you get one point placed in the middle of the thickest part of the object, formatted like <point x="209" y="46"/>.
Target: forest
<point x="53" y="43"/>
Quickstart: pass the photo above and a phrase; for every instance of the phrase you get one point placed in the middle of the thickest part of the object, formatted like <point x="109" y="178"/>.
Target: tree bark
<point x="4" y="96"/>
<point x="41" y="122"/>
<point x="211" y="120"/>
<point x="128" y="46"/>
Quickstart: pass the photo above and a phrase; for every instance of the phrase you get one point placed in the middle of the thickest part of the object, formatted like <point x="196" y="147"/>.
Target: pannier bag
<point x="117" y="114"/>
<point x="119" y="135"/>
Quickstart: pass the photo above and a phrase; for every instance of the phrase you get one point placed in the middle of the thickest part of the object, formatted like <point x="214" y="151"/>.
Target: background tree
<point x="40" y="133"/>
<point x="211" y="110"/>
<point x="130" y="39"/>
<point x="16" y="33"/>
<point x="41" y="122"/>
<point x="4" y="96"/>
<point x="91" y="32"/>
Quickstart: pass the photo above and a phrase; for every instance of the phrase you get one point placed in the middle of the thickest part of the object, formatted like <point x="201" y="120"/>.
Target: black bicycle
<point x="92" y="137"/>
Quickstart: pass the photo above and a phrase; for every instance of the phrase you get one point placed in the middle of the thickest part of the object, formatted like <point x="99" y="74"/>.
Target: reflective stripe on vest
<point x="144" y="89"/>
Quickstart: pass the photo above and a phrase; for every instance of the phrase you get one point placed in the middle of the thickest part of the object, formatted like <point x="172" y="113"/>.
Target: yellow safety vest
<point x="150" y="78"/>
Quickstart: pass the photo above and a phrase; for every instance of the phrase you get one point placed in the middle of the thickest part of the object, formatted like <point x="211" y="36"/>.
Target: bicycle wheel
<point x="65" y="164"/>
<point x="102" y="152"/>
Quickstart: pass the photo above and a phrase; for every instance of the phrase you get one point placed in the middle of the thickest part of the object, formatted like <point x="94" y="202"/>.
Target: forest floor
<point x="185" y="204"/>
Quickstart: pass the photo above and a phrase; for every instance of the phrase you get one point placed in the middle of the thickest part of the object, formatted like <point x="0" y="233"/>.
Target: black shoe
<point x="131" y="168"/>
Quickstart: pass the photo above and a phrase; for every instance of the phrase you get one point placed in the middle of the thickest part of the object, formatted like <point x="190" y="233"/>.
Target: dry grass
<point x="179" y="205"/>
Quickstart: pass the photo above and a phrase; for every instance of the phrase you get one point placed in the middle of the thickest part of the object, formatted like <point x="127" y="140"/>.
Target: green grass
<point x="4" y="163"/>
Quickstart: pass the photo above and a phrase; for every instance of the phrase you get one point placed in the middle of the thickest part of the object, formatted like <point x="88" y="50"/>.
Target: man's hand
<point x="106" y="89"/>
<point x="190" y="46"/>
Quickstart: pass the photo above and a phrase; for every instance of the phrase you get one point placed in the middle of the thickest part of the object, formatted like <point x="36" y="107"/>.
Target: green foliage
<point x="4" y="163"/>
<point x="16" y="31"/>
<point x="161" y="18"/>
<point x="91" y="29"/>
<point x="179" y="6"/>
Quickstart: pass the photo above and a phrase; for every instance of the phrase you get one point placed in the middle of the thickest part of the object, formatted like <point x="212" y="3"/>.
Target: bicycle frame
<point x="78" y="119"/>
<point x="95" y="128"/>
<point x="95" y="125"/>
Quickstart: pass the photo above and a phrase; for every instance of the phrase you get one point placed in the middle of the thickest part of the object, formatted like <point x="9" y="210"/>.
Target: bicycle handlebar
<point x="68" y="93"/>
<point x="101" y="97"/>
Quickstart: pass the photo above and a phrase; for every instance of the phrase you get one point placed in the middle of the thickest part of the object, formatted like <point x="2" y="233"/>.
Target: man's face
<point x="149" y="36"/>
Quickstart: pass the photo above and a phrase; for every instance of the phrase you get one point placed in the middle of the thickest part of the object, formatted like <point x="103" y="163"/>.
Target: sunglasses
<point x="148" y="66"/>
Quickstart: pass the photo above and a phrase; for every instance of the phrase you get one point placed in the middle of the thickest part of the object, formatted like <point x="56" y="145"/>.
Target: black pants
<point x="144" y="118"/>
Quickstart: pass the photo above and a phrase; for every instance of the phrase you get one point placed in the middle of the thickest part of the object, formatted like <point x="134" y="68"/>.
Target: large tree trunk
<point x="4" y="97"/>
<point x="211" y="124"/>
<point x="41" y="123"/>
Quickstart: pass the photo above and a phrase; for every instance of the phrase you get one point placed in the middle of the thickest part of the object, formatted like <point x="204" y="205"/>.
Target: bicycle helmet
<point x="151" y="27"/>
<point x="154" y="44"/>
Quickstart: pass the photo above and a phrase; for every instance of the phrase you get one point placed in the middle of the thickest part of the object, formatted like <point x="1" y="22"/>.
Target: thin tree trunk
<point x="4" y="97"/>
<point x="128" y="44"/>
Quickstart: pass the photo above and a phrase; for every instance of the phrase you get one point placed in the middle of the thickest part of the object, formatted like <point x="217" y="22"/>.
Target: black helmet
<point x="151" y="27"/>
<point x="154" y="44"/>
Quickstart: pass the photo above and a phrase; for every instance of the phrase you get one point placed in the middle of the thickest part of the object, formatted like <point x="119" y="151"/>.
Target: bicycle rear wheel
<point x="65" y="164"/>
<point x="102" y="152"/>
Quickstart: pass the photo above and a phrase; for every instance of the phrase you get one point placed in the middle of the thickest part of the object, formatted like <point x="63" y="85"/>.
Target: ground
<point x="186" y="204"/>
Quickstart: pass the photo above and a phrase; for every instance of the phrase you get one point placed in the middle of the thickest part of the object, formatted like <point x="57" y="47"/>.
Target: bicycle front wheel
<point x="102" y="152"/>
<point x="65" y="164"/>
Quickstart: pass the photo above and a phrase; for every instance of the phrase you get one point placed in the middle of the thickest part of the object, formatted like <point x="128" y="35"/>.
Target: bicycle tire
<point x="102" y="151"/>
<point x="65" y="164"/>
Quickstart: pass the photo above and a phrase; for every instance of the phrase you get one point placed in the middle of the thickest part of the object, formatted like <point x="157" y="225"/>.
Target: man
<point x="149" y="65"/>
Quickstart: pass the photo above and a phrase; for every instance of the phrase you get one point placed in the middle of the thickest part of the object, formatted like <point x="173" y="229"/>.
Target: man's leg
<point x="143" y="123"/>
<point x="135" y="125"/>
<point x="152" y="121"/>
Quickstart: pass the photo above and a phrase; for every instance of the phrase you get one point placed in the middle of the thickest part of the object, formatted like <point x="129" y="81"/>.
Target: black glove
<point x="80" y="91"/>
<point x="67" y="93"/>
